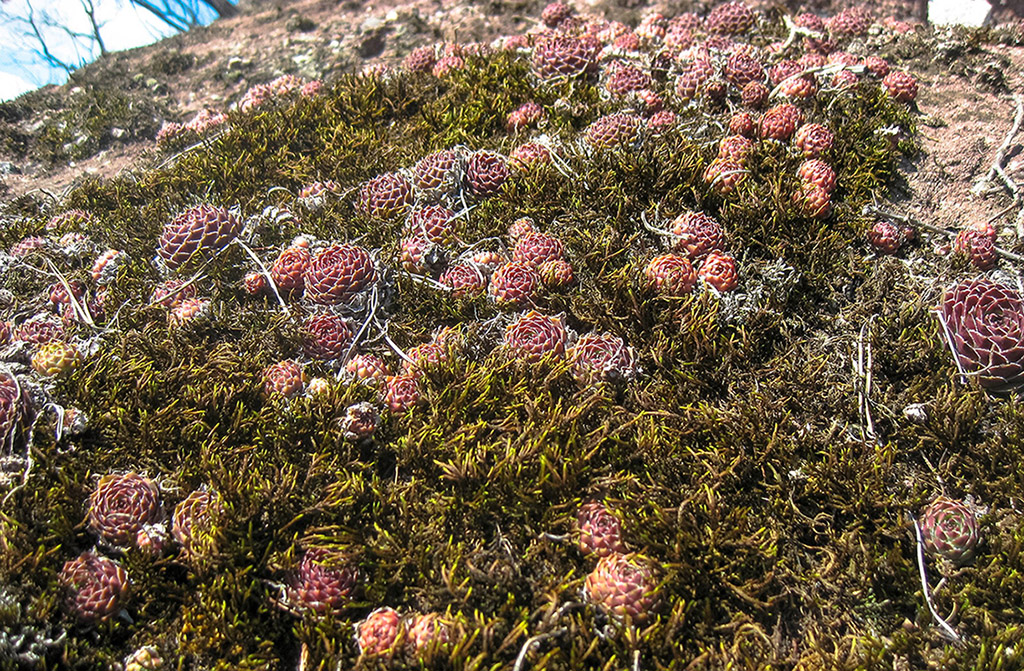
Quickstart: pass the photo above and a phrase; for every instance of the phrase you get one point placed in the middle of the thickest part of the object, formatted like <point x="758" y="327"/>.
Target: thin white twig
<point x="81" y="311"/>
<point x="997" y="165"/>
<point x="862" y="366"/>
<point x="266" y="273"/>
<point x="948" y="630"/>
<point x="911" y="221"/>
<point x="796" y="31"/>
<point x="532" y="641"/>
<point x="362" y="329"/>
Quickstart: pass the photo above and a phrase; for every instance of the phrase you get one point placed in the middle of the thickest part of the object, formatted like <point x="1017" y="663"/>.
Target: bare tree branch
<point x="90" y="11"/>
<point x="181" y="15"/>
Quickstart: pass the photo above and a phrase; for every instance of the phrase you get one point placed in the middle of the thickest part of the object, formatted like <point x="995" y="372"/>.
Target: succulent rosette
<point x="121" y="505"/>
<point x="202" y="230"/>
<point x="534" y="336"/>
<point x="338" y="273"/>
<point x="950" y="530"/>
<point x="381" y="633"/>
<point x="97" y="587"/>
<point x="600" y="531"/>
<point x="624" y="587"/>
<point x="323" y="583"/>
<point x="194" y="523"/>
<point x="983" y="322"/>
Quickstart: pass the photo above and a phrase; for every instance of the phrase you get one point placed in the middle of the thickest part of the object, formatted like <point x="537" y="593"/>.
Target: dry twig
<point x="947" y="630"/>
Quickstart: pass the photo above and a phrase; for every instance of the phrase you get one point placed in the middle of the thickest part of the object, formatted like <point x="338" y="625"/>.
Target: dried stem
<point x="911" y="221"/>
<point x="531" y="642"/>
<point x="944" y="626"/>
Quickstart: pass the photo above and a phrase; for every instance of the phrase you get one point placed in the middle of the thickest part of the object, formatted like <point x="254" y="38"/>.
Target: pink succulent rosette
<point x="950" y="530"/>
<point x="983" y="322"/>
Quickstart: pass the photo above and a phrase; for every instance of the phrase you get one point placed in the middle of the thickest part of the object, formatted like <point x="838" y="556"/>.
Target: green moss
<point x="737" y="460"/>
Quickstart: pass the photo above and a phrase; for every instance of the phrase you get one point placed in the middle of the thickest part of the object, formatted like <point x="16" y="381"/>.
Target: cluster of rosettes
<point x="887" y="238"/>
<point x="443" y="177"/>
<point x="324" y="585"/>
<point x="622" y="585"/>
<point x="125" y="511"/>
<point x="283" y="87"/>
<point x="595" y="357"/>
<point x="418" y="638"/>
<point x="401" y="392"/>
<point x="47" y="337"/>
<point x="698" y="241"/>
<point x="538" y="260"/>
<point x="173" y="135"/>
<point x="719" y="69"/>
<point x="977" y="242"/>
<point x="334" y="275"/>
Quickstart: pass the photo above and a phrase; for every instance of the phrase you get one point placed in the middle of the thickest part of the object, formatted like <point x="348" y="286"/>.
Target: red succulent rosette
<point x="613" y="130"/>
<point x="381" y="633"/>
<point x="323" y="583"/>
<point x="534" y="336"/>
<point x="671" y="274"/>
<point x="439" y="173"/>
<point x="289" y="269"/>
<point x="39" y="329"/>
<point x="486" y="172"/>
<point x="624" y="587"/>
<point x="386" y="196"/>
<point x="534" y="249"/>
<point x="464" y="279"/>
<point x="337" y="273"/>
<point x="121" y="505"/>
<point x="885" y="237"/>
<point x="435" y="222"/>
<point x="529" y="155"/>
<point x="97" y="587"/>
<point x="367" y="367"/>
<point x="514" y="283"/>
<point x="600" y="531"/>
<point x="202" y="230"/>
<point x="695" y="234"/>
<point x="730" y="18"/>
<point x="719" y="271"/>
<point x="328" y="336"/>
<point x="284" y="378"/>
<point x="983" y="322"/>
<point x="949" y="530"/>
<point x="565" y="56"/>
<point x="401" y="393"/>
<point x="600" y="357"/>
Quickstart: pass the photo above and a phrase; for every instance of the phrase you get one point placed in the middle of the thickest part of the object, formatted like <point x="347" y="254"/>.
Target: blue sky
<point x="23" y="69"/>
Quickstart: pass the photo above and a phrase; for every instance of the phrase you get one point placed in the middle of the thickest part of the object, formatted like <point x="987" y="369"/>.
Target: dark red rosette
<point x="983" y="322"/>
